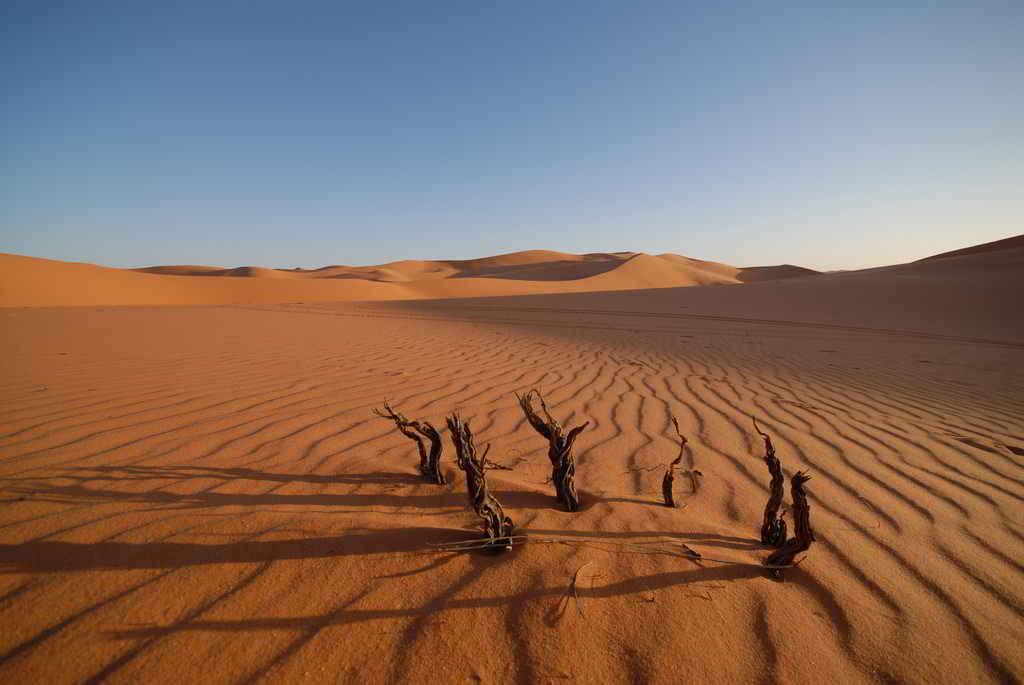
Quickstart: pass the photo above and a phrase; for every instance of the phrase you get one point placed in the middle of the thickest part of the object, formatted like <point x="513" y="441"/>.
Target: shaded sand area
<point x="203" y="494"/>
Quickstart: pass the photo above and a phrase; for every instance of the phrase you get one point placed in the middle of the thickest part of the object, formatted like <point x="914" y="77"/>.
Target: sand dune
<point x="994" y="246"/>
<point x="972" y="296"/>
<point x="754" y="274"/>
<point x="184" y="270"/>
<point x="32" y="282"/>
<point x="202" y="494"/>
<point x="28" y="281"/>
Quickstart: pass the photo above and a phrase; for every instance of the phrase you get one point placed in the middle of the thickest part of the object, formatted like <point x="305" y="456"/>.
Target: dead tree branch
<point x="563" y="463"/>
<point x="773" y="529"/>
<point x="803" y="535"/>
<point x="497" y="526"/>
<point x="430" y="462"/>
<point x="670" y="475"/>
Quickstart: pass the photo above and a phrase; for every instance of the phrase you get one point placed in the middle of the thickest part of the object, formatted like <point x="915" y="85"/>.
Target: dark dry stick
<point x="670" y="475"/>
<point x="430" y="462"/>
<point x="773" y="529"/>
<point x="497" y="526"/>
<point x="563" y="463"/>
<point x="803" y="536"/>
<point x="433" y="466"/>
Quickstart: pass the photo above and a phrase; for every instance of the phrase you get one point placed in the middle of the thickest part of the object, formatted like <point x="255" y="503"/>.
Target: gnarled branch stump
<point x="803" y="536"/>
<point x="497" y="526"/>
<point x="773" y="529"/>
<point x="430" y="462"/>
<point x="670" y="476"/>
<point x="563" y="463"/>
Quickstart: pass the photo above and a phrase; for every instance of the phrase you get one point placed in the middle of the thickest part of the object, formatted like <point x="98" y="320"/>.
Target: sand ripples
<point x="237" y="504"/>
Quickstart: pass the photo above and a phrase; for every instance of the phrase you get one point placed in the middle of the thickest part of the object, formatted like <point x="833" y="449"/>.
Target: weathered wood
<point x="666" y="488"/>
<point x="497" y="526"/>
<point x="432" y="469"/>
<point x="430" y="461"/>
<point x="803" y="535"/>
<point x="773" y="528"/>
<point x="670" y="476"/>
<point x="563" y="463"/>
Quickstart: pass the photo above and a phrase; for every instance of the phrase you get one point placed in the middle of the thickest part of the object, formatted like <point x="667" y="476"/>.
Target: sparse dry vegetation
<point x="497" y="526"/>
<point x="430" y="461"/>
<point x="670" y="476"/>
<point x="563" y="463"/>
<point x="803" y="535"/>
<point x="773" y="529"/>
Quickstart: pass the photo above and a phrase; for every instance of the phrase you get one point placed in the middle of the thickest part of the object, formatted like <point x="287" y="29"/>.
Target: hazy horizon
<point x="821" y="135"/>
<point x="231" y="265"/>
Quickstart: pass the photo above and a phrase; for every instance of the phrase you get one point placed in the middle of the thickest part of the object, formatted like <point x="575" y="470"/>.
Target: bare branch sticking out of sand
<point x="803" y="535"/>
<point x="563" y="463"/>
<point x="670" y="475"/>
<point x="497" y="526"/>
<point x="430" y="462"/>
<point x="773" y="528"/>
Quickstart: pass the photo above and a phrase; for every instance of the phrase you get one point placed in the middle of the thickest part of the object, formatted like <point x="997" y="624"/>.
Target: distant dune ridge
<point x="30" y="281"/>
<point x="529" y="265"/>
<point x="1013" y="242"/>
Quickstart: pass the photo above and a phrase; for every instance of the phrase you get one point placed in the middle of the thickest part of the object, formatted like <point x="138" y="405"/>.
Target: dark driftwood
<point x="803" y="536"/>
<point x="497" y="526"/>
<point x="773" y="529"/>
<point x="670" y="475"/>
<point x="430" y="462"/>
<point x="563" y="463"/>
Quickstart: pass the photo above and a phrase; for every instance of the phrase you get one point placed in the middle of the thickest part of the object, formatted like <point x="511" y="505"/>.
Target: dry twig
<point x="670" y="475"/>
<point x="773" y="528"/>
<point x="430" y="462"/>
<point x="497" y="526"/>
<point x="803" y="536"/>
<point x="563" y="463"/>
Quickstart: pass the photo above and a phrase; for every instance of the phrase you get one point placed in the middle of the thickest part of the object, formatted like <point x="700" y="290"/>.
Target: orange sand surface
<point x="202" y="493"/>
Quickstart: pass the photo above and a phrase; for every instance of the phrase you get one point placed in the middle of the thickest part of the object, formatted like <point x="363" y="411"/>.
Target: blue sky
<point x="831" y="135"/>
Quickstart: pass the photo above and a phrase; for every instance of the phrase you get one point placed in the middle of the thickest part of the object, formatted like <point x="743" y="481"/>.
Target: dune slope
<point x="994" y="246"/>
<point x="28" y="281"/>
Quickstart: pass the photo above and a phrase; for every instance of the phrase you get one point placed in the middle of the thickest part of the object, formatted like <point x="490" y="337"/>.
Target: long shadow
<point x="712" y="539"/>
<point x="38" y="490"/>
<point x="136" y="473"/>
<point x="533" y="499"/>
<point x="521" y="499"/>
<point x="350" y="616"/>
<point x="440" y="500"/>
<point x="50" y="556"/>
<point x="59" y="556"/>
<point x="203" y="500"/>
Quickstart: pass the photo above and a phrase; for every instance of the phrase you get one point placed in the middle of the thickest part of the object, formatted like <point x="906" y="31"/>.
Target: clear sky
<point x="292" y="133"/>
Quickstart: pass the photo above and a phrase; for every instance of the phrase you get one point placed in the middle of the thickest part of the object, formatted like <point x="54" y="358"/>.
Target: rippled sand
<point x="202" y="494"/>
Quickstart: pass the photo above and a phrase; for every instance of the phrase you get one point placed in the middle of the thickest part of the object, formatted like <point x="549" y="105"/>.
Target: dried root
<point x="497" y="526"/>
<point x="773" y="529"/>
<point x="670" y="475"/>
<point x="430" y="462"/>
<point x="563" y="463"/>
<point x="803" y="535"/>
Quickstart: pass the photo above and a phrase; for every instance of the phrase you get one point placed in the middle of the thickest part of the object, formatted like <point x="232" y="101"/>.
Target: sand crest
<point x="34" y="282"/>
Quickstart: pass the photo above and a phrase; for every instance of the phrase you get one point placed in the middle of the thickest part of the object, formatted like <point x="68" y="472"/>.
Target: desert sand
<point x="195" y="488"/>
<point x="33" y="282"/>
